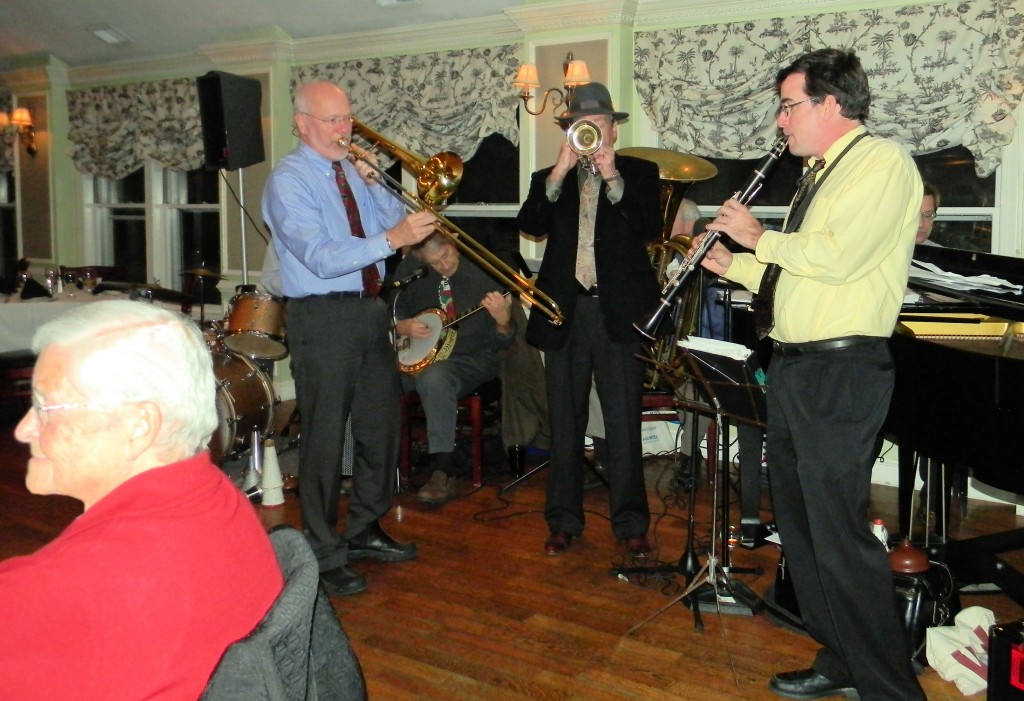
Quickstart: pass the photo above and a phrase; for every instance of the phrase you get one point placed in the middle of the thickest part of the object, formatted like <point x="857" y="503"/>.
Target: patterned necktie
<point x="371" y="276"/>
<point x="444" y="295"/>
<point x="586" y="271"/>
<point x="764" y="301"/>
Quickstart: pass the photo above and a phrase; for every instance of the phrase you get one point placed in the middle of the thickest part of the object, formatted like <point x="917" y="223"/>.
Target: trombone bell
<point x="437" y="177"/>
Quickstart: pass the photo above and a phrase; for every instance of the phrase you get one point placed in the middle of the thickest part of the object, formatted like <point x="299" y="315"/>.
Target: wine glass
<point x="89" y="281"/>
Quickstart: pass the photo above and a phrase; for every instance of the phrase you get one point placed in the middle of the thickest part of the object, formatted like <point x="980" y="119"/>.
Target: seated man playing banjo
<point x="446" y="349"/>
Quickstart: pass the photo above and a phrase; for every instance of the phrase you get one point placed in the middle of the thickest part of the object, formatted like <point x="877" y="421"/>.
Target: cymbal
<point x="673" y="165"/>
<point x="140" y="289"/>
<point x="201" y="272"/>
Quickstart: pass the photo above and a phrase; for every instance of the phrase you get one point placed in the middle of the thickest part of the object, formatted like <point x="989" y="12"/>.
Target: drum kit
<point x="242" y="346"/>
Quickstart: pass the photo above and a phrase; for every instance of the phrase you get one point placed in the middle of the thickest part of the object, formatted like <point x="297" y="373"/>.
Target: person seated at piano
<point x="139" y="597"/>
<point x="929" y="209"/>
<point x="453" y="291"/>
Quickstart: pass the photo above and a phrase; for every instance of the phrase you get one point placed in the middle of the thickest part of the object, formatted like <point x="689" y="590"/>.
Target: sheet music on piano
<point x="929" y="272"/>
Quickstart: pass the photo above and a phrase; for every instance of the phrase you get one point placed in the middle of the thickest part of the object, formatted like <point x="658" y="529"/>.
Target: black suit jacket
<point x="626" y="279"/>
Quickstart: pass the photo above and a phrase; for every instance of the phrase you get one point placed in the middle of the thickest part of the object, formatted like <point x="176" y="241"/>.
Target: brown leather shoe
<point x="558" y="543"/>
<point x="637" y="546"/>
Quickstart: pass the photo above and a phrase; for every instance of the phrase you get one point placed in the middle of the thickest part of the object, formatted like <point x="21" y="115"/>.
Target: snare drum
<point x="245" y="401"/>
<point x="255" y="326"/>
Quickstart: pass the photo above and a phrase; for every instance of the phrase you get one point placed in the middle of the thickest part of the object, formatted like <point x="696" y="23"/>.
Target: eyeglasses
<point x="44" y="409"/>
<point x="928" y="215"/>
<point x="333" y="121"/>
<point x="786" y="109"/>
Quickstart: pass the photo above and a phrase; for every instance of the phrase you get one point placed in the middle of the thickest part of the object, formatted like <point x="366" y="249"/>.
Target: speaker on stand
<point x="230" y="112"/>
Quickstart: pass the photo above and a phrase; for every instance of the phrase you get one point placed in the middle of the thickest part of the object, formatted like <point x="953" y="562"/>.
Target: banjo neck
<point x="469" y="313"/>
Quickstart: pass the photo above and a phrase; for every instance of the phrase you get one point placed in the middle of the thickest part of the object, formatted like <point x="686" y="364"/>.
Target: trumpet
<point x="585" y="138"/>
<point x="436" y="180"/>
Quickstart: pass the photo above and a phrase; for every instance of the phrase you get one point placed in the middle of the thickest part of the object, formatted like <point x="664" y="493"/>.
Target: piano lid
<point x="1008" y="303"/>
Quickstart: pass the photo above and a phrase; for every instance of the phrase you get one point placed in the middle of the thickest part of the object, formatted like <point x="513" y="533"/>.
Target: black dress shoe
<point x="374" y="544"/>
<point x="808" y="684"/>
<point x="342" y="581"/>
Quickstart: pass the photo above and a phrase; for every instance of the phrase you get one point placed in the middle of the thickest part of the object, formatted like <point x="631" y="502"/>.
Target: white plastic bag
<point x="959" y="653"/>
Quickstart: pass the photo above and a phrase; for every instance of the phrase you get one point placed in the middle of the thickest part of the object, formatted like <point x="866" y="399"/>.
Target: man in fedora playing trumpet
<point x="598" y="212"/>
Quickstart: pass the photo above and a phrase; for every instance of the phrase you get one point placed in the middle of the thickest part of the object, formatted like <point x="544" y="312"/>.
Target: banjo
<point x="414" y="354"/>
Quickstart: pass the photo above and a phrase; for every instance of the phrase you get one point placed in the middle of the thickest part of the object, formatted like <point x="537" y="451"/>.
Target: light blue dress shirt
<point x="311" y="235"/>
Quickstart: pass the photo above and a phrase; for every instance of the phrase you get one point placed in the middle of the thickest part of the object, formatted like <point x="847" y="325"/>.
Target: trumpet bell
<point x="584" y="137"/>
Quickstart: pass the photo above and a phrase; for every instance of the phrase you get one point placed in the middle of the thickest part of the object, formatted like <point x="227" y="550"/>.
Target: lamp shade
<point x="576" y="74"/>
<point x="21" y="117"/>
<point x="5" y="120"/>
<point x="526" y="77"/>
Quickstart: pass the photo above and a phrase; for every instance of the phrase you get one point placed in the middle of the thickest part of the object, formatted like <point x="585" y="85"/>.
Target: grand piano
<point x="959" y="397"/>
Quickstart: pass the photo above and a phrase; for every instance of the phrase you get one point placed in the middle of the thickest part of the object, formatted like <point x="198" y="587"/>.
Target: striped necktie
<point x="763" y="303"/>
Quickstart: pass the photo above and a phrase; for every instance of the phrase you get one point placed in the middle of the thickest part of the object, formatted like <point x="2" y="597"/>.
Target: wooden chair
<point x="471" y="412"/>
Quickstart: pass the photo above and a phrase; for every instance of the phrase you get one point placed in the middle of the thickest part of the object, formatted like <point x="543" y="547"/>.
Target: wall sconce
<point x="526" y="80"/>
<point x="19" y="125"/>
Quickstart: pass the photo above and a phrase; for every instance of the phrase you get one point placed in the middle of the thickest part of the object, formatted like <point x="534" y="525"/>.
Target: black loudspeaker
<point x="229" y="108"/>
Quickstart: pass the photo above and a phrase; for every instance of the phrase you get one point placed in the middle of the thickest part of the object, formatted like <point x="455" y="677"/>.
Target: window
<point x="487" y="201"/>
<point x="964" y="218"/>
<point x="155" y="224"/>
<point x="8" y="232"/>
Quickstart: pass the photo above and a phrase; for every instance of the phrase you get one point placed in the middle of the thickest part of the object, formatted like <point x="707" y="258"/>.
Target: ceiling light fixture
<point x="110" y="36"/>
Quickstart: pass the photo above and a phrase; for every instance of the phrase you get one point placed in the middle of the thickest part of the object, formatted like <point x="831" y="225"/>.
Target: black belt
<point x="789" y="350"/>
<point x="585" y="292"/>
<point x="348" y="294"/>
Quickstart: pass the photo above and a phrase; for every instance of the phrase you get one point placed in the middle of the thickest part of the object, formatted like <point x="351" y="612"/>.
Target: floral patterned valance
<point x="6" y="150"/>
<point x="114" y="129"/>
<point x="441" y="101"/>
<point x="940" y="75"/>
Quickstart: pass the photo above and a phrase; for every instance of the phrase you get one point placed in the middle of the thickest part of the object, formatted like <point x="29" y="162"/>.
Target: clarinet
<point x="648" y="326"/>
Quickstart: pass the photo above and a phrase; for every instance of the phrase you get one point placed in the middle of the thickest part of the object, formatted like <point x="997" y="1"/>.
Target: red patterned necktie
<point x="371" y="276"/>
<point x="446" y="298"/>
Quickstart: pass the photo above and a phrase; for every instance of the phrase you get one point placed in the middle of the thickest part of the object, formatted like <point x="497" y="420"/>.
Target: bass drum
<point x="245" y="401"/>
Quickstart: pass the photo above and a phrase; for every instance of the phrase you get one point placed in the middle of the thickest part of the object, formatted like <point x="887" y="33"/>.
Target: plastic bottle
<point x="880" y="531"/>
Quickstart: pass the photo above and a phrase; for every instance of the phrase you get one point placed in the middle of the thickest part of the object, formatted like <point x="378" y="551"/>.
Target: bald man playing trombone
<point x="333" y="225"/>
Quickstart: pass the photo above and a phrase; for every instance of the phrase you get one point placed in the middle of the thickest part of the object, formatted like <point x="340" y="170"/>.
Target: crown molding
<point x="163" y="68"/>
<point x="677" y="13"/>
<point x="484" y="31"/>
<point x="242" y="52"/>
<point x="572" y="14"/>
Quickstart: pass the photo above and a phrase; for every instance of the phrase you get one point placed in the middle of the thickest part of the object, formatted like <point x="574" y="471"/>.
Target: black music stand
<point x="731" y="381"/>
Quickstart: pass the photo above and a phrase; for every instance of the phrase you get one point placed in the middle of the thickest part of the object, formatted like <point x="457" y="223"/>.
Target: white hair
<point x="128" y="352"/>
<point x="688" y="210"/>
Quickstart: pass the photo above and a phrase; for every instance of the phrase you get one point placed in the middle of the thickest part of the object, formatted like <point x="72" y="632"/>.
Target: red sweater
<point x="140" y="596"/>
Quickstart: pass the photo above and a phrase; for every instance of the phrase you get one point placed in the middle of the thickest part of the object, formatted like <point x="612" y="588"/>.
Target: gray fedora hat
<point x="590" y="99"/>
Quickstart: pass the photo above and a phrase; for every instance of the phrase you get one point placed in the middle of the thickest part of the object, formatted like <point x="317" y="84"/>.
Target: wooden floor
<point x="484" y="614"/>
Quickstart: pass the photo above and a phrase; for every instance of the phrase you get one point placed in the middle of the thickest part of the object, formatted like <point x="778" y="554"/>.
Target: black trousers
<point x="618" y="376"/>
<point x="824" y="411"/>
<point x="344" y="365"/>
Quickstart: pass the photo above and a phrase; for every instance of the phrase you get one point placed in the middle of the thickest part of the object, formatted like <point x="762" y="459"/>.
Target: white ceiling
<point x="157" y="28"/>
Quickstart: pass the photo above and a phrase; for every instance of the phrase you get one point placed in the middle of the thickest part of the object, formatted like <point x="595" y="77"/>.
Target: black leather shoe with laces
<point x="808" y="684"/>
<point x="374" y="544"/>
<point x="342" y="581"/>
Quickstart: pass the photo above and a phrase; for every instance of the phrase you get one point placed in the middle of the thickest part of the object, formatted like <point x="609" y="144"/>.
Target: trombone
<point x="436" y="180"/>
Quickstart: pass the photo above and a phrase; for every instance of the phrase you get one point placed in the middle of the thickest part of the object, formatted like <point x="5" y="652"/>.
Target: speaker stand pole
<point x="241" y="223"/>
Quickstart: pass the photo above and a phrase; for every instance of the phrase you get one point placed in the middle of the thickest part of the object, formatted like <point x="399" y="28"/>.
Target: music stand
<point x="732" y="383"/>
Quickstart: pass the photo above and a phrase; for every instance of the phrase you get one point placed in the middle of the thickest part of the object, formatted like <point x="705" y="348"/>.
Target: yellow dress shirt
<point x="844" y="271"/>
